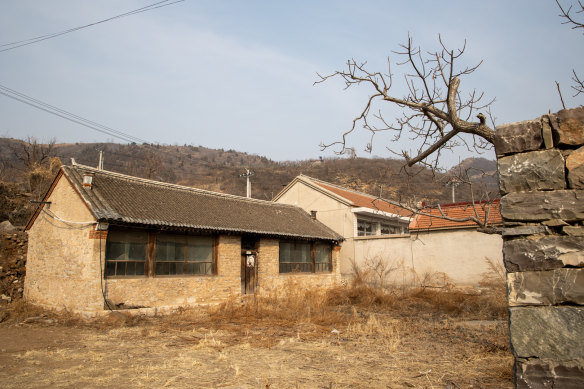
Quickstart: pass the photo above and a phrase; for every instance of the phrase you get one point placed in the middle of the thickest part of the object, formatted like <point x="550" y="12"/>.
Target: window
<point x="141" y="253"/>
<point x="305" y="257"/>
<point x="387" y="229"/>
<point x="365" y="228"/>
<point x="183" y="254"/>
<point x="125" y="253"/>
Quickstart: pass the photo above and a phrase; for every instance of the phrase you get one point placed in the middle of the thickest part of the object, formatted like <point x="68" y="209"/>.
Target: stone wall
<point x="541" y="173"/>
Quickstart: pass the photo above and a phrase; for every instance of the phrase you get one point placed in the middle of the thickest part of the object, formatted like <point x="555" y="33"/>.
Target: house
<point x="395" y="243"/>
<point x="101" y="239"/>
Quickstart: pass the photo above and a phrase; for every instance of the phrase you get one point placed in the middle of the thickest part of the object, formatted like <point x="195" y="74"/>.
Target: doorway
<point x="249" y="264"/>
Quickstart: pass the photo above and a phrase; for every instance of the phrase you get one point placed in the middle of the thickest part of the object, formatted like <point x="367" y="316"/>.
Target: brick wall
<point x="541" y="173"/>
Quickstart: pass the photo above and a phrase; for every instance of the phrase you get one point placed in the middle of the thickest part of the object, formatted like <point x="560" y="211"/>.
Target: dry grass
<point x="354" y="336"/>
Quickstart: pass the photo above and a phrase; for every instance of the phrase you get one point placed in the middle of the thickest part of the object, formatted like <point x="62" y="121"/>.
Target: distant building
<point x="419" y="248"/>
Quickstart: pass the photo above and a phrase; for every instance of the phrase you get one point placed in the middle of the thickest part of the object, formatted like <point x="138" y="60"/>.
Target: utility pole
<point x="100" y="163"/>
<point x="247" y="175"/>
<point x="453" y="182"/>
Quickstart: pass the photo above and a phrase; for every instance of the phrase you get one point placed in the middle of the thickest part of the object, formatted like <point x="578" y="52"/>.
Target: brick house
<point x="102" y="239"/>
<point x="420" y="248"/>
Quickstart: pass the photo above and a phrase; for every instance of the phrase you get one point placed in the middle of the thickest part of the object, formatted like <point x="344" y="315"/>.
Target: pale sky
<point x="239" y="74"/>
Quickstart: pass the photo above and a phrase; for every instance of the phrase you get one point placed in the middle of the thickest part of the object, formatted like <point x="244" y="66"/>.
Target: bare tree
<point x="38" y="163"/>
<point x="573" y="15"/>
<point x="435" y="112"/>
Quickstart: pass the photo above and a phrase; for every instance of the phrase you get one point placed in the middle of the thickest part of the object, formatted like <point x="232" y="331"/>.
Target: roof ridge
<point x="175" y="186"/>
<point x="348" y="189"/>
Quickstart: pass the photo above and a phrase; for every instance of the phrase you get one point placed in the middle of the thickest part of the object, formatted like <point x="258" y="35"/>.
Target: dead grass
<point x="353" y="336"/>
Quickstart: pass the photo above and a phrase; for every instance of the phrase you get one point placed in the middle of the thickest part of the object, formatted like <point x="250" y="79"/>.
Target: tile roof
<point x="360" y="199"/>
<point x="427" y="221"/>
<point x="122" y="199"/>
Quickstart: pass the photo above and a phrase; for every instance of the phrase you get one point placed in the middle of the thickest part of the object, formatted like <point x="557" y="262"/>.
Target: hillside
<point x="220" y="170"/>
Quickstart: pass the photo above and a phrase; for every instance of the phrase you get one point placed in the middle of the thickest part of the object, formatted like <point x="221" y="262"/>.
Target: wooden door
<point x="248" y="273"/>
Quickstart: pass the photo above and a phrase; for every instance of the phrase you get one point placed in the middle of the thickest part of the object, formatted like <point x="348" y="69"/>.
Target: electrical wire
<point x="26" y="42"/>
<point x="52" y="214"/>
<point x="39" y="104"/>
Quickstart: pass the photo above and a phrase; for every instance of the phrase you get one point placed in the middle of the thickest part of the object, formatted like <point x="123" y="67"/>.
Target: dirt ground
<point x="407" y="343"/>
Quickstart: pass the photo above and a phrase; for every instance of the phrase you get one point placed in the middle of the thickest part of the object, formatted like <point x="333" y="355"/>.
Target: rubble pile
<point x="13" y="247"/>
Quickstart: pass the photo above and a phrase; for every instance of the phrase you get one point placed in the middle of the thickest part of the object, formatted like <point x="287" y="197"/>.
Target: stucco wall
<point x="62" y="269"/>
<point x="460" y="255"/>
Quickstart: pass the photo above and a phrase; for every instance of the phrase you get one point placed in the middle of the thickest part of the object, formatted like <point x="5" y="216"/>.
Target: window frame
<point x="150" y="262"/>
<point x="291" y="267"/>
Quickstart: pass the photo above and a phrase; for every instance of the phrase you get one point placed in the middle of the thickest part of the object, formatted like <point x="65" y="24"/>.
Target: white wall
<point x="457" y="256"/>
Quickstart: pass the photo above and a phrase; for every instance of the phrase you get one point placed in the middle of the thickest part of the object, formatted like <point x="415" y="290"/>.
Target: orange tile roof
<point x="364" y="200"/>
<point x="456" y="211"/>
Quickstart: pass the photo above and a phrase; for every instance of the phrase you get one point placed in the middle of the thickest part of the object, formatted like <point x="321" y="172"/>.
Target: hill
<point x="219" y="170"/>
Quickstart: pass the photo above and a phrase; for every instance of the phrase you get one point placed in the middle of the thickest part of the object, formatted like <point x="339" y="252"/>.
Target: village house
<point x="101" y="240"/>
<point x="397" y="245"/>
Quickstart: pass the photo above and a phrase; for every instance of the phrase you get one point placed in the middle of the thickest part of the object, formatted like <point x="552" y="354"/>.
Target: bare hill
<point x="219" y="170"/>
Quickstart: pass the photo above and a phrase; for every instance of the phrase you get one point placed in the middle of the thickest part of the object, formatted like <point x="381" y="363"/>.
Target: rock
<point x="573" y="231"/>
<point x="575" y="168"/>
<point x="544" y="373"/>
<point x="546" y="253"/>
<point x="568" y="127"/>
<point x="518" y="137"/>
<point x="546" y="132"/>
<point x="535" y="170"/>
<point x="559" y="286"/>
<point x="567" y="205"/>
<point x="6" y="226"/>
<point x="525" y="230"/>
<point x="554" y="223"/>
<point x="553" y="333"/>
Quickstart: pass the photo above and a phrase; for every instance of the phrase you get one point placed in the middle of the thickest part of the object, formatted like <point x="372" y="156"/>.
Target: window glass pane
<point x="116" y="250"/>
<point x="200" y="249"/>
<point x="322" y="253"/>
<point x="365" y="228"/>
<point x="286" y="252"/>
<point x="303" y="252"/>
<point x="170" y="247"/>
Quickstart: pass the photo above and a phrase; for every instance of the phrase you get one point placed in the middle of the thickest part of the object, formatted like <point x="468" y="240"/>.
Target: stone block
<point x="536" y="170"/>
<point x="524" y="230"/>
<point x="567" y="205"/>
<point x="573" y="230"/>
<point x="518" y="137"/>
<point x="575" y="168"/>
<point x="568" y="127"/>
<point x="553" y="287"/>
<point x="553" y="333"/>
<point x="546" y="253"/>
<point x="546" y="132"/>
<point x="544" y="373"/>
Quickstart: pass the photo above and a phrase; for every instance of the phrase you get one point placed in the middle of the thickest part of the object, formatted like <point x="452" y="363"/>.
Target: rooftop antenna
<point x="247" y="175"/>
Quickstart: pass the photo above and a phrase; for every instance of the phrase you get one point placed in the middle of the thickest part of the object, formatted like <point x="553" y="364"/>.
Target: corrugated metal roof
<point x="122" y="199"/>
<point x="431" y="217"/>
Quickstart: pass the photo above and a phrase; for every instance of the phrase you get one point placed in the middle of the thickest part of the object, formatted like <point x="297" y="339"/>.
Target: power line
<point x="36" y="103"/>
<point x="26" y="42"/>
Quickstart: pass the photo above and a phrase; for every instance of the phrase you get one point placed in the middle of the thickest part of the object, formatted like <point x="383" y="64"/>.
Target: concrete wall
<point x="62" y="268"/>
<point x="541" y="171"/>
<point x="459" y="257"/>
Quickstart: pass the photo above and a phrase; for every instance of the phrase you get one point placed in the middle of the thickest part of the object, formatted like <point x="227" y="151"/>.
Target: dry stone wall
<point x="541" y="177"/>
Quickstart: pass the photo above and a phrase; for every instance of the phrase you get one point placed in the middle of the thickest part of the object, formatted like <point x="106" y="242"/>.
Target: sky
<point x="239" y="74"/>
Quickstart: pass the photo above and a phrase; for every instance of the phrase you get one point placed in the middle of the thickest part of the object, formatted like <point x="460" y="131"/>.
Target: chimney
<point x="313" y="215"/>
<point x="87" y="180"/>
